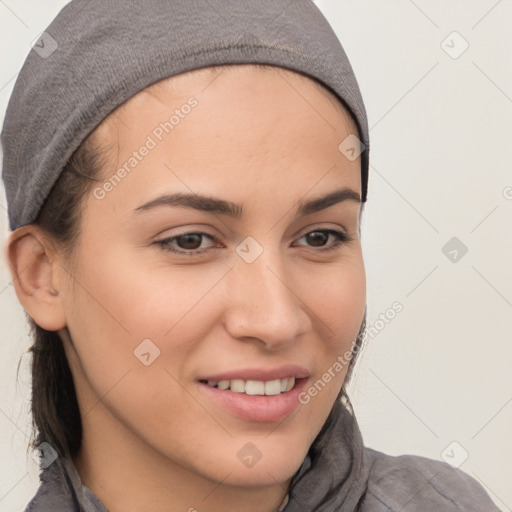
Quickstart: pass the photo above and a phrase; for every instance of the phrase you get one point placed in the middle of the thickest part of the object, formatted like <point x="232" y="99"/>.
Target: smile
<point x="254" y="387"/>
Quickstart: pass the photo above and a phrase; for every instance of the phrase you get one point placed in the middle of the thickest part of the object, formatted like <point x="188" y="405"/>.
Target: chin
<point x="262" y="474"/>
<point x="268" y="461"/>
<point x="249" y="463"/>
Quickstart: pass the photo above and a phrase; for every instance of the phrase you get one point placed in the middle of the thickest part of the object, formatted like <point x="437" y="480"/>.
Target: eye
<point x="319" y="237"/>
<point x="188" y="244"/>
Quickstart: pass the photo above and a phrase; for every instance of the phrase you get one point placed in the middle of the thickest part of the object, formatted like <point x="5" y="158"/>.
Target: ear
<point x="32" y="262"/>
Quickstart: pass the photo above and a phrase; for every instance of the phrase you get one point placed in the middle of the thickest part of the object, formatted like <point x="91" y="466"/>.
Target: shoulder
<point x="62" y="490"/>
<point x="411" y="483"/>
<point x="52" y="496"/>
<point x="54" y="493"/>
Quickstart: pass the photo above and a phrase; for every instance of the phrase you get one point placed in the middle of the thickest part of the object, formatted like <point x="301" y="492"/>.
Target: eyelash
<point x="341" y="239"/>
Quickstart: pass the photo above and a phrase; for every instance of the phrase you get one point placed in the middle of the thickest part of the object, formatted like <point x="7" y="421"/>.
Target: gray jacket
<point x="339" y="474"/>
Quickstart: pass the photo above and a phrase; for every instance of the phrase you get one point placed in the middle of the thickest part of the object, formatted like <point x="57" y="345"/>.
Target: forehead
<point x="252" y="130"/>
<point x="197" y="81"/>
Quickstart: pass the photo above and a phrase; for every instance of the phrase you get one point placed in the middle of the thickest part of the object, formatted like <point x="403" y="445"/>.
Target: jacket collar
<point x="334" y="475"/>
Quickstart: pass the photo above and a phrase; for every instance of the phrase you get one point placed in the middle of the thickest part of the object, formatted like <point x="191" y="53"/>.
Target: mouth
<point x="253" y="387"/>
<point x="256" y="395"/>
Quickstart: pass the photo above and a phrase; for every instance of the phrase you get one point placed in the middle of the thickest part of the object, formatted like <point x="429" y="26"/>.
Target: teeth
<point x="255" y="387"/>
<point x="238" y="386"/>
<point x="273" y="387"/>
<point x="223" y="384"/>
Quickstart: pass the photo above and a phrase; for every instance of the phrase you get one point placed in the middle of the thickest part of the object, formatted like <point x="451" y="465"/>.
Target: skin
<point x="262" y="138"/>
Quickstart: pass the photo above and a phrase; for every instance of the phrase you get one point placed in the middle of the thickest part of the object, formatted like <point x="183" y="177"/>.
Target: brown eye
<point x="317" y="238"/>
<point x="189" y="241"/>
<point x="320" y="238"/>
<point x="188" y="244"/>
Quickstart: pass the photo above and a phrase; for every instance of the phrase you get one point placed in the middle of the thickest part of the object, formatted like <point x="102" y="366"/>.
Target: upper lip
<point x="263" y="374"/>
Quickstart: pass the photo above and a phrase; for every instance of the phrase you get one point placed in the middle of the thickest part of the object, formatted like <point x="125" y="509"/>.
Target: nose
<point x="266" y="304"/>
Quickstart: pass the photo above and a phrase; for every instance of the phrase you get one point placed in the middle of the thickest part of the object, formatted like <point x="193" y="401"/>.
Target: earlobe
<point x="32" y="263"/>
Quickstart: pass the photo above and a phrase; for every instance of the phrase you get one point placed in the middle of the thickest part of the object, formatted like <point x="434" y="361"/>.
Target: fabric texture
<point x="339" y="474"/>
<point x="96" y="54"/>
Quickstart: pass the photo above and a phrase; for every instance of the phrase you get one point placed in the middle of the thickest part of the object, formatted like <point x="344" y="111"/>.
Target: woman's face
<point x="209" y="262"/>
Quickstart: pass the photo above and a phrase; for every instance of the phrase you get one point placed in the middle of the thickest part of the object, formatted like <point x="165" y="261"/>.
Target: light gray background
<point x="441" y="155"/>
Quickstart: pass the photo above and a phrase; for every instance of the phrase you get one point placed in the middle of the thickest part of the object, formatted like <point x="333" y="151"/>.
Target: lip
<point x="254" y="408"/>
<point x="265" y="374"/>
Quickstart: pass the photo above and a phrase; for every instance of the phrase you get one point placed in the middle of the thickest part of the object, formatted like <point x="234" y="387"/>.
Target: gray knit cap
<point x="96" y="54"/>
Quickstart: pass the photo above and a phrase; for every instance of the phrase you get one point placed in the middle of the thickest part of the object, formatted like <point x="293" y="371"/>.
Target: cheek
<point x="338" y="302"/>
<point x="119" y="310"/>
<point x="337" y="296"/>
<point x="121" y="319"/>
<point x="134" y="300"/>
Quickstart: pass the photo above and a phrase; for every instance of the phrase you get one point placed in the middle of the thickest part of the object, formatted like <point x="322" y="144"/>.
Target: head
<point x="140" y="302"/>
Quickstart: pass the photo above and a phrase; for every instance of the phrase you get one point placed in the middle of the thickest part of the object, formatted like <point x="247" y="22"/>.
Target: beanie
<point x="97" y="54"/>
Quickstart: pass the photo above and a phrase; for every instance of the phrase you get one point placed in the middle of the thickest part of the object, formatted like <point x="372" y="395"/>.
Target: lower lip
<point x="260" y="408"/>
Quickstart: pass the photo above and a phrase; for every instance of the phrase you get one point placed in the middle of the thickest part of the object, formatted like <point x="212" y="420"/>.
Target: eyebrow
<point x="221" y="207"/>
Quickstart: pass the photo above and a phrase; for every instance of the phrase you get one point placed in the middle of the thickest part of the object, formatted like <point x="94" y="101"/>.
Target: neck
<point x="127" y="474"/>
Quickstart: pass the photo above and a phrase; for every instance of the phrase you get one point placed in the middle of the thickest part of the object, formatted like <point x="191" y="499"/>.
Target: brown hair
<point x="55" y="412"/>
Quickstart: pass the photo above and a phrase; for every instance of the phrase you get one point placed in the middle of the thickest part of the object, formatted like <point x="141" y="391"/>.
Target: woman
<point x="185" y="184"/>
